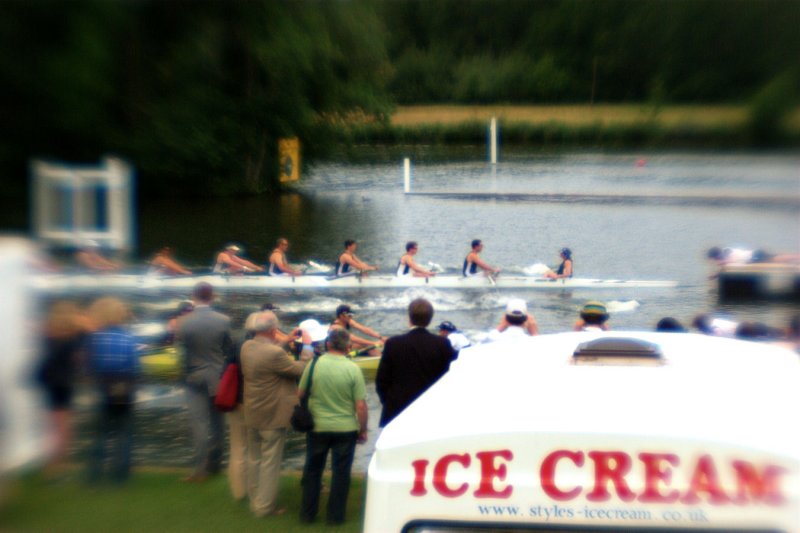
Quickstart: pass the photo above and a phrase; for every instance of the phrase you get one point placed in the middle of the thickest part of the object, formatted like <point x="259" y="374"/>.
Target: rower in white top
<point x="408" y="267"/>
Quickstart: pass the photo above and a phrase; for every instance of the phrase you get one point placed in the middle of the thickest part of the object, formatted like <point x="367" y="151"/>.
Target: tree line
<point x="196" y="93"/>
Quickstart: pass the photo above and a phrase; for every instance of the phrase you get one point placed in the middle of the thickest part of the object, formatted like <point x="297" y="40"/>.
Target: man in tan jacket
<point x="270" y="394"/>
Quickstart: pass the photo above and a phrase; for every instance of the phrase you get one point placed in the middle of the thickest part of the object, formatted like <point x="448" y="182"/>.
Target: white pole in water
<point x="407" y="175"/>
<point x="493" y="141"/>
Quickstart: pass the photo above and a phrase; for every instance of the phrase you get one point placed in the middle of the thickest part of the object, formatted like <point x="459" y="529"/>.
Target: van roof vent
<point x="618" y="351"/>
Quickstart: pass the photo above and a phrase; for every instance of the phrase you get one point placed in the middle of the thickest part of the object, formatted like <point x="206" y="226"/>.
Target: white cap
<point x="233" y="247"/>
<point x="516" y="306"/>
<point x="317" y="331"/>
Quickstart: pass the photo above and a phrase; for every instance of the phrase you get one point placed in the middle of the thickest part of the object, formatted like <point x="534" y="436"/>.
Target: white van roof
<point x="705" y="389"/>
<point x="702" y="398"/>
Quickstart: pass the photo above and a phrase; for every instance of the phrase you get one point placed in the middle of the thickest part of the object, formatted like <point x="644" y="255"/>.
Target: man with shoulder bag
<point x="336" y="398"/>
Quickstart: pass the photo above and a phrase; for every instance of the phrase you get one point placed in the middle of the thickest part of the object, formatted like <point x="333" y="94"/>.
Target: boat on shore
<point x="59" y="283"/>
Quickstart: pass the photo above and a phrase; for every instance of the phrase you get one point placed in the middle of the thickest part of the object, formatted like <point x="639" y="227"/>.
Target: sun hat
<point x="317" y="331"/>
<point x="594" y="308"/>
<point x="516" y="307"/>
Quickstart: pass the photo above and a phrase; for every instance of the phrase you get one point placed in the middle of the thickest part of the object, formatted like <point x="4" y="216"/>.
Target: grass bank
<point x="156" y="501"/>
<point x="597" y="126"/>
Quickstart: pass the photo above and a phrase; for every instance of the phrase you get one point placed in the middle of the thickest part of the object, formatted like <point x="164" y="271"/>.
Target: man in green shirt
<point x="337" y="402"/>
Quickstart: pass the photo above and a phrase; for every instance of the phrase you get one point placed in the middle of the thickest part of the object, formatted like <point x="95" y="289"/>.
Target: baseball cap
<point x="233" y="247"/>
<point x="517" y="307"/>
<point x="447" y="326"/>
<point x="269" y="307"/>
<point x="317" y="331"/>
<point x="344" y="309"/>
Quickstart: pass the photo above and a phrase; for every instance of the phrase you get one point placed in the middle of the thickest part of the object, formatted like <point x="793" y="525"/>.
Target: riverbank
<point x="619" y="126"/>
<point x="155" y="500"/>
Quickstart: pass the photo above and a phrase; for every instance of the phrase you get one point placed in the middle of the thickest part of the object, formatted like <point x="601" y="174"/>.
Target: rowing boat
<point x="163" y="364"/>
<point x="129" y="282"/>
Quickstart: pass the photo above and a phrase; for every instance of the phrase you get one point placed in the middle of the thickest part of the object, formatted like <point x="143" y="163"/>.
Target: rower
<point x="350" y="265"/>
<point x="162" y="264"/>
<point x="457" y="339"/>
<point x="278" y="266"/>
<point x="229" y="262"/>
<point x="89" y="256"/>
<point x="408" y="267"/>
<point x="564" y="270"/>
<point x="473" y="262"/>
<point x="344" y="320"/>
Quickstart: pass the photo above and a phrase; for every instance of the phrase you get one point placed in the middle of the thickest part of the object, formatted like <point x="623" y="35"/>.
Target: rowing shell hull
<point x="164" y="365"/>
<point x="69" y="283"/>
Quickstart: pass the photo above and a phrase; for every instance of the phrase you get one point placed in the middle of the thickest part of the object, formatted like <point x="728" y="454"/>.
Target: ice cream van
<point x="597" y="432"/>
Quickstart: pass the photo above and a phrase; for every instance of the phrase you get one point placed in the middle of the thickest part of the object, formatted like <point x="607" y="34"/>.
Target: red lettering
<point x="489" y="471"/>
<point x="547" y="474"/>
<point x="440" y="475"/>
<point x="610" y="466"/>
<point x="657" y="470"/>
<point x="420" y="467"/>
<point x="705" y="479"/>
<point x="764" y="487"/>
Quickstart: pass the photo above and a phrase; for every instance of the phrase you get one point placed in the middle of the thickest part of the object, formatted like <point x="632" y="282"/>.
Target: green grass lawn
<point x="156" y="501"/>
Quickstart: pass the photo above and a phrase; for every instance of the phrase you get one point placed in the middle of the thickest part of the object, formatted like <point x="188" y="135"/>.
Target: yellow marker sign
<point x="289" y="158"/>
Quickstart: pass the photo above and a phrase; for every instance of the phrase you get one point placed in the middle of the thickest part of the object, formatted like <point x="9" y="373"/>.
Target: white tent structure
<point x="75" y="204"/>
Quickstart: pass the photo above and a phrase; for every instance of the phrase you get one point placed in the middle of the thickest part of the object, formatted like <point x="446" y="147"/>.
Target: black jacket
<point x="410" y="364"/>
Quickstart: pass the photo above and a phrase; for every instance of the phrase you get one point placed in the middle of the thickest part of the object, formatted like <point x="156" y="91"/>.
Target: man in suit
<point x="205" y="337"/>
<point x="270" y="394"/>
<point x="411" y="362"/>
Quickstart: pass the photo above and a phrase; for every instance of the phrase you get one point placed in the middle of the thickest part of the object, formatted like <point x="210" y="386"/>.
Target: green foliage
<point x="770" y="107"/>
<point x="512" y="78"/>
<point x="197" y="94"/>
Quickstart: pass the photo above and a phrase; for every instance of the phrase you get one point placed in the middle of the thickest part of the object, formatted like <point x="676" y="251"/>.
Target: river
<point x="614" y="238"/>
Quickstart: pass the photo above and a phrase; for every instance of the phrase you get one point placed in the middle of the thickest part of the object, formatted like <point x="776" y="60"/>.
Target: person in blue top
<point x="474" y="265"/>
<point x="564" y="270"/>
<point x="408" y="267"/>
<point x="114" y="364"/>
<point x="350" y="265"/>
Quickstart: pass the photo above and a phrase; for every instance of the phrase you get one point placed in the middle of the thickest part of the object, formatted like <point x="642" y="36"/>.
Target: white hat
<point x="317" y="331"/>
<point x="516" y="306"/>
<point x="233" y="247"/>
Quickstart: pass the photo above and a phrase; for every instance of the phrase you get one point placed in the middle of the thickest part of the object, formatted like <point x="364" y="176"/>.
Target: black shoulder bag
<point x="302" y="420"/>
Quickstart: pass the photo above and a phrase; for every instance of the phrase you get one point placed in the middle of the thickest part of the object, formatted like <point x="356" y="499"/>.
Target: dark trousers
<point x="115" y="422"/>
<point x="342" y="447"/>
